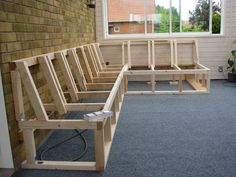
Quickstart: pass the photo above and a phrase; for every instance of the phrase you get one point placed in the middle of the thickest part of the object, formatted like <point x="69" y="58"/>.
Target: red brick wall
<point x="130" y="28"/>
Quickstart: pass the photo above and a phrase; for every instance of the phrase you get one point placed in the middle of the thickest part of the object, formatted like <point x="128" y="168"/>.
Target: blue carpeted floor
<point x="169" y="136"/>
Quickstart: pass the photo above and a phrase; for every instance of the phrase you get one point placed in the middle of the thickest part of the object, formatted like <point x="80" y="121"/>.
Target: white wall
<point x="214" y="51"/>
<point x="6" y="160"/>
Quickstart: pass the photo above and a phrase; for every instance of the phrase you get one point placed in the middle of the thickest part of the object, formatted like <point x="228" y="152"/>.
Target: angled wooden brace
<point x="79" y="75"/>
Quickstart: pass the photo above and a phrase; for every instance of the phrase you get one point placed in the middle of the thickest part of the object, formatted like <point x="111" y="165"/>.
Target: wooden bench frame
<point x="80" y="84"/>
<point x="103" y="130"/>
<point x="198" y="76"/>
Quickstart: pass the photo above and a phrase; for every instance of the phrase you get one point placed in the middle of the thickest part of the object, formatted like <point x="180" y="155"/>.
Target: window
<point x="163" y="17"/>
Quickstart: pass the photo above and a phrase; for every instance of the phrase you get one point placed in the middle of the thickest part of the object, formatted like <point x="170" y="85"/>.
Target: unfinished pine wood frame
<point x="176" y="70"/>
<point x="81" y="68"/>
<point x="103" y="130"/>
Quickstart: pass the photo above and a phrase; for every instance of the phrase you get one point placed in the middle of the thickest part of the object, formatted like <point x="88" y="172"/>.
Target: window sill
<point x="161" y="36"/>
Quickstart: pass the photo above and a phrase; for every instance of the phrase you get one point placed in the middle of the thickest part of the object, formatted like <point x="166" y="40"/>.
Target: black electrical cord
<point x="80" y="134"/>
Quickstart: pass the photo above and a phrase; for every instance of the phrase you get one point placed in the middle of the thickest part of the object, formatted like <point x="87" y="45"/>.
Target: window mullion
<point x="145" y="17"/>
<point x="170" y="17"/>
<point x="210" y="16"/>
<point x="180" y="16"/>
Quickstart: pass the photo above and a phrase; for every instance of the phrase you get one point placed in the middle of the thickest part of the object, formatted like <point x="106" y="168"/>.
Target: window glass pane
<point x="159" y="16"/>
<point x="126" y="16"/>
<point x="195" y="15"/>
<point x="175" y="11"/>
<point x="216" y="16"/>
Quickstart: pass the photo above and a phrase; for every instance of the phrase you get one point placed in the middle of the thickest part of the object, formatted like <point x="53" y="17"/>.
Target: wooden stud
<point x="31" y="90"/>
<point x="99" y="149"/>
<point x="123" y="53"/>
<point x="17" y="96"/>
<point x="79" y="75"/>
<point x="70" y="83"/>
<point x="84" y="64"/>
<point x="88" y="59"/>
<point x="29" y="144"/>
<point x="54" y="85"/>
<point x="129" y="55"/>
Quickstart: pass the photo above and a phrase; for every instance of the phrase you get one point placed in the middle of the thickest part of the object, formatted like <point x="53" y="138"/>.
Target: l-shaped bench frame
<point x="103" y="129"/>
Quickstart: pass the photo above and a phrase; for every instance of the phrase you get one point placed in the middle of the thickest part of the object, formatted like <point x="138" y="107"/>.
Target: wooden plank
<point x="93" y="94"/>
<point x="84" y="106"/>
<point x="107" y="131"/>
<point x="184" y="92"/>
<point x="31" y="90"/>
<point x="194" y="84"/>
<point x="123" y="53"/>
<point x="99" y="149"/>
<point x="114" y="90"/>
<point x="76" y="106"/>
<point x="53" y="83"/>
<point x="58" y="124"/>
<point x="165" y="72"/>
<point x="176" y="53"/>
<point x="84" y="65"/>
<point x="29" y="144"/>
<point x="88" y="57"/>
<point x="109" y="74"/>
<point x="149" y="54"/>
<point x="79" y="75"/>
<point x="104" y="79"/>
<point x="17" y="96"/>
<point x="100" y="55"/>
<point x="153" y="54"/>
<point x="96" y="56"/>
<point x="129" y="55"/>
<point x="61" y="165"/>
<point x="69" y="80"/>
<point x="171" y="53"/>
<point x="99" y="86"/>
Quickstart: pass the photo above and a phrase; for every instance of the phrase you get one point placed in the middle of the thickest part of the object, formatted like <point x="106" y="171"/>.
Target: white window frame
<point x="162" y="35"/>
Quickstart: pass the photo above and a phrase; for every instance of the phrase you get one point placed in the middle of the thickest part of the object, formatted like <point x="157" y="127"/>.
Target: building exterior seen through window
<point x="163" y="16"/>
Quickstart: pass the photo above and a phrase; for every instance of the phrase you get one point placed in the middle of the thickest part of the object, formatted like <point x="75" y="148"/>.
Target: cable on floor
<point x="80" y="134"/>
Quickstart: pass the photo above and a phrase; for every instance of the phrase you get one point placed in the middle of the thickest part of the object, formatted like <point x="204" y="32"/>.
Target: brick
<point x="13" y="46"/>
<point x="5" y="27"/>
<point x="6" y="57"/>
<point x="7" y="37"/>
<point x="3" y="16"/>
<point x="3" y="47"/>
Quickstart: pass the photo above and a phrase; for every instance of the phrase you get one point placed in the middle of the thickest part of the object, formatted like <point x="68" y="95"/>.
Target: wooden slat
<point x="93" y="94"/>
<point x="58" y="124"/>
<point x="196" y="85"/>
<point x="79" y="75"/>
<point x="69" y="80"/>
<point x="104" y="79"/>
<point x="29" y="144"/>
<point x="99" y="149"/>
<point x="31" y="90"/>
<point x="77" y="106"/>
<point x="99" y="86"/>
<point x="88" y="57"/>
<point x="93" y="47"/>
<point x="61" y="165"/>
<point x="84" y="65"/>
<point x="54" y="85"/>
<point x="114" y="90"/>
<point x="17" y="96"/>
